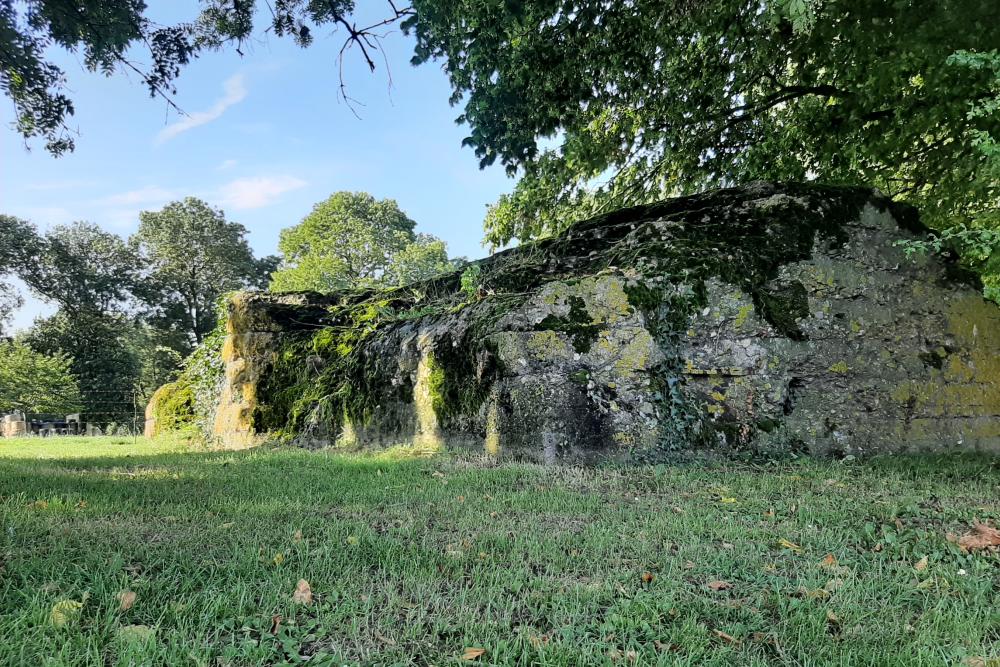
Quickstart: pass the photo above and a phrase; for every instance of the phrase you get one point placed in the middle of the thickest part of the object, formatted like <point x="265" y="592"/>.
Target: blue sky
<point x="266" y="137"/>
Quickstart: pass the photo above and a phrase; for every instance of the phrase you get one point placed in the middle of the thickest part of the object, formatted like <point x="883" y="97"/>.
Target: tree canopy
<point x="109" y="34"/>
<point x="82" y="268"/>
<point x="645" y="99"/>
<point x="352" y="239"/>
<point x="192" y="256"/>
<point x="597" y="104"/>
<point x="33" y="382"/>
<point x="17" y="243"/>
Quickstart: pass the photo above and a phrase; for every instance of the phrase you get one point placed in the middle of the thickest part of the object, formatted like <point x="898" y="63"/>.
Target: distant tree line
<point x="129" y="311"/>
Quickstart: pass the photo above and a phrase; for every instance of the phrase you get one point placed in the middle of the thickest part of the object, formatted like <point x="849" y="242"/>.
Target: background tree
<point x="100" y="357"/>
<point x="89" y="274"/>
<point x="82" y="268"/>
<point x="36" y="383"/>
<point x="425" y="257"/>
<point x="18" y="241"/>
<point x="353" y="240"/>
<point x="192" y="256"/>
<point x="158" y="356"/>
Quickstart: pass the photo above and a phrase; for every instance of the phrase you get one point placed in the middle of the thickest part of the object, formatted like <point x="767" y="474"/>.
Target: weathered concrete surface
<point x="766" y="318"/>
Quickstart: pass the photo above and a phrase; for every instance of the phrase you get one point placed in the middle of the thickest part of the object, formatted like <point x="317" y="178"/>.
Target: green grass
<point x="412" y="561"/>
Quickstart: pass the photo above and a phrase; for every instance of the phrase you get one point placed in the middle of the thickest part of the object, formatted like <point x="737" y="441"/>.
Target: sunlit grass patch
<point x="67" y="447"/>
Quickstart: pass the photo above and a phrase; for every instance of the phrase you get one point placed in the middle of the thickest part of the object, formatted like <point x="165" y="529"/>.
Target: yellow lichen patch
<point x="604" y="299"/>
<point x="840" y="367"/>
<point x="902" y="393"/>
<point x="554" y="293"/>
<point x="492" y="443"/>
<point x="238" y="398"/>
<point x="229" y="348"/>
<point x="718" y="396"/>
<point x="548" y="345"/>
<point x="950" y="399"/>
<point x="348" y="438"/>
<point x="975" y="322"/>
<point x="956" y="370"/>
<point x="741" y="317"/>
<point x="633" y="356"/>
<point x="428" y="431"/>
<point x="623" y="439"/>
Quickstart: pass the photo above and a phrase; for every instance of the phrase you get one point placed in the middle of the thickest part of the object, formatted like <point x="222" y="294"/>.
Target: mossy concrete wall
<point x="768" y="318"/>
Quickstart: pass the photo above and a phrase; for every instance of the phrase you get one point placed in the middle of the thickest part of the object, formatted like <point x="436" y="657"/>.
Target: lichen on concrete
<point x="767" y="318"/>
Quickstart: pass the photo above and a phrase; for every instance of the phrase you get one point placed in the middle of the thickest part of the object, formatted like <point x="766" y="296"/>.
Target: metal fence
<point x="105" y="412"/>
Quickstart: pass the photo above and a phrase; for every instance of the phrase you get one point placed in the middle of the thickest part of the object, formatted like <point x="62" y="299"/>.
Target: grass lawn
<point x="414" y="561"/>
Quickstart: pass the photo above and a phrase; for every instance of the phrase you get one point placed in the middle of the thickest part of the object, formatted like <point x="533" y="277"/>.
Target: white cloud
<point x="233" y="92"/>
<point x="68" y="184"/>
<point x="226" y="164"/>
<point x="255" y="192"/>
<point x="151" y="194"/>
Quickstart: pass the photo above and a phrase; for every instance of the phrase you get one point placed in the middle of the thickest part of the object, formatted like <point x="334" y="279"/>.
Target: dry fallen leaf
<point x="385" y="640"/>
<point x="921" y="564"/>
<point x="833" y="585"/>
<point x="663" y="648"/>
<point x="811" y="594"/>
<point x="832" y="622"/>
<point x="647" y="577"/>
<point x="785" y="544"/>
<point x="719" y="585"/>
<point x="472" y="653"/>
<point x="828" y="561"/>
<point x="297" y="537"/>
<point x="982" y="536"/>
<point x="275" y="624"/>
<point x="125" y="600"/>
<point x="981" y="662"/>
<point x="64" y="612"/>
<point x="303" y="594"/>
<point x="136" y="633"/>
<point x="726" y="637"/>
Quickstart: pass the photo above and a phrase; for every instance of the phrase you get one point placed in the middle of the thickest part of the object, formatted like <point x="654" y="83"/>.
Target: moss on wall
<point x="585" y="339"/>
<point x="172" y="407"/>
